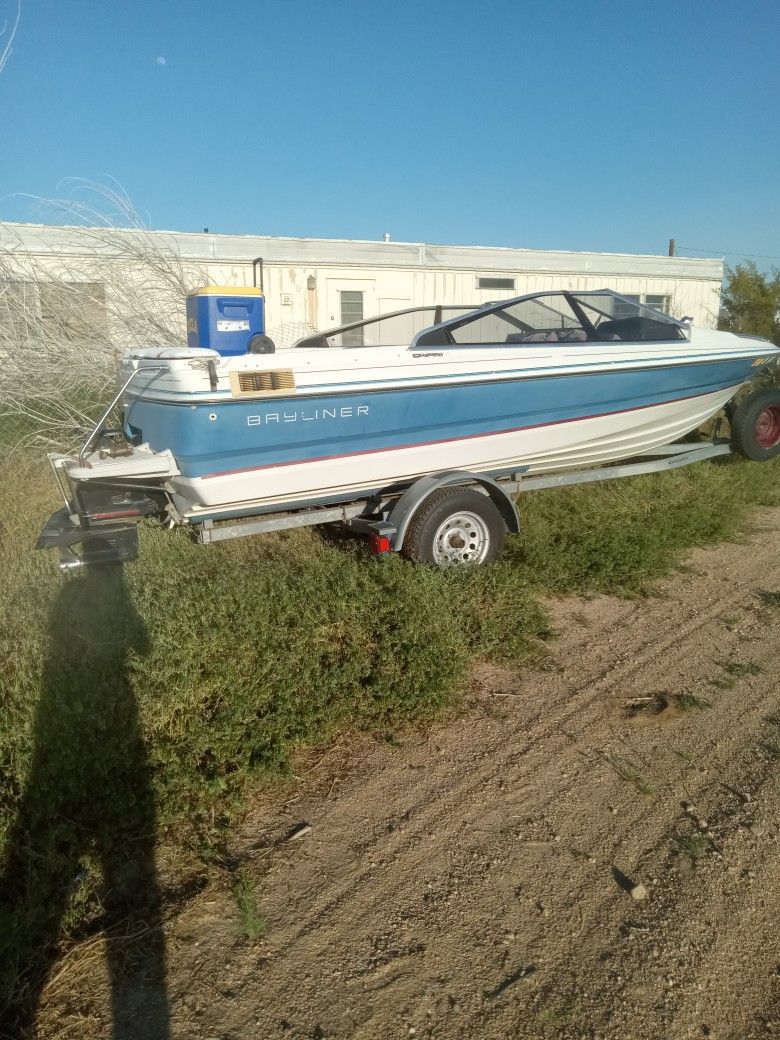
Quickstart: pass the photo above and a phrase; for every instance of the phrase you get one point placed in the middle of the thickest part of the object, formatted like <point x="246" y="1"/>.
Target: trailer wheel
<point x="755" y="426"/>
<point x="455" y="526"/>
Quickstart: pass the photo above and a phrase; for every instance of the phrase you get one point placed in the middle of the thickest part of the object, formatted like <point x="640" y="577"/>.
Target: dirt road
<point x="475" y="880"/>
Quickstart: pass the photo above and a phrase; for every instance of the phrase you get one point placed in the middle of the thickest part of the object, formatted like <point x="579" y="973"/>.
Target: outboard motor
<point x="228" y="319"/>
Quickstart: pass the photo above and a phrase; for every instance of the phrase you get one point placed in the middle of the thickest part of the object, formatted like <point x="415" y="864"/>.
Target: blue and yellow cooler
<point x="225" y="318"/>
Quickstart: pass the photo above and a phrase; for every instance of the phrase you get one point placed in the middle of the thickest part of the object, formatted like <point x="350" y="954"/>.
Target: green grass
<point x="251" y="923"/>
<point x="141" y="711"/>
<point x="618" y="537"/>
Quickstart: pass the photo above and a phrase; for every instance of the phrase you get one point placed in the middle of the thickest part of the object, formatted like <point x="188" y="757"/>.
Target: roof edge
<point x="292" y="240"/>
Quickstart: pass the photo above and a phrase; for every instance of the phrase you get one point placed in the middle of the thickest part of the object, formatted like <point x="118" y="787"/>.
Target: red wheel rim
<point x="768" y="427"/>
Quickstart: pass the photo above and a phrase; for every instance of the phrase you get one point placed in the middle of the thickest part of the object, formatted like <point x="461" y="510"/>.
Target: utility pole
<point x="671" y="247"/>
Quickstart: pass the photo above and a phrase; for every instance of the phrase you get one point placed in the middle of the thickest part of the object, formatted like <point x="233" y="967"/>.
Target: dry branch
<point x="7" y="34"/>
<point x="65" y="318"/>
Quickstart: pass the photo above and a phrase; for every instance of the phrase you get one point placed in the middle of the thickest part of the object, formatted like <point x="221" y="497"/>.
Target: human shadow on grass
<point x="80" y="853"/>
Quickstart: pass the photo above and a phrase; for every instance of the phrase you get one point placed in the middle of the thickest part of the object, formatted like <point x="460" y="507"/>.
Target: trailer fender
<point x="402" y="512"/>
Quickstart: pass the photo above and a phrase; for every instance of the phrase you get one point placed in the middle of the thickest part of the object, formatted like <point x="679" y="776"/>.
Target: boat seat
<point x="637" y="329"/>
<point x="573" y="336"/>
<point x="531" y="337"/>
<point x="553" y="336"/>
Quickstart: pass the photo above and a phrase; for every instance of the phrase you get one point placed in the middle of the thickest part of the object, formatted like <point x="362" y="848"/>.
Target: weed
<point x="694" y="846"/>
<point x="771" y="749"/>
<point x="740" y="668"/>
<point x="773" y="719"/>
<point x="770" y="599"/>
<point x="733" y="671"/>
<point x="625" y="772"/>
<point x="691" y="702"/>
<point x="725" y="682"/>
<point x="555" y="1016"/>
<point x="251" y="922"/>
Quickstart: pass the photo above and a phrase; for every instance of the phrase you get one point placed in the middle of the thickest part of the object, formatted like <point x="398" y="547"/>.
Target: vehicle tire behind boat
<point x="755" y="426"/>
<point x="261" y="345"/>
<point x="455" y="527"/>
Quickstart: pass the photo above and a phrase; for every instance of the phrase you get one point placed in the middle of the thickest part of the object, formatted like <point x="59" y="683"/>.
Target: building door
<point x="350" y="300"/>
<point x="351" y="306"/>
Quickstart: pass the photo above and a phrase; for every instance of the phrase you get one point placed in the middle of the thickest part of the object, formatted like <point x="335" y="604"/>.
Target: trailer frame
<point x="385" y="517"/>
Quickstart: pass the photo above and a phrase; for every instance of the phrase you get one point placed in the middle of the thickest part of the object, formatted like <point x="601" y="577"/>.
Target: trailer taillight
<point x="380" y="543"/>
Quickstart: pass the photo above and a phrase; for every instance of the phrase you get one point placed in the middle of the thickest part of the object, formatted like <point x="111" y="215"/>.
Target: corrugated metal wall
<point x="286" y="298"/>
<point x="303" y="277"/>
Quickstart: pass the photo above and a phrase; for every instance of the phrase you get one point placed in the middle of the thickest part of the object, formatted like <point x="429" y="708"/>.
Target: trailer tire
<point x="455" y="527"/>
<point x="755" y="426"/>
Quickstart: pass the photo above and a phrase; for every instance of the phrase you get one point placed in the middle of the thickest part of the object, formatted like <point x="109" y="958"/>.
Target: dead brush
<point x="63" y="324"/>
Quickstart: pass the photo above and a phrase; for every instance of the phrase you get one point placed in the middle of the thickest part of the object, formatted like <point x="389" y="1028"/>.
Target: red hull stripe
<point x="446" y="440"/>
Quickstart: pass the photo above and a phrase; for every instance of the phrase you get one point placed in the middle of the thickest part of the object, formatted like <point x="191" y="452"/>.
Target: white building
<point x="319" y="283"/>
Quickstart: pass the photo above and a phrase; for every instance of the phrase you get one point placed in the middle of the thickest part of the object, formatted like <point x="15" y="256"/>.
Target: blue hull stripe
<point x="426" y="444"/>
<point x="210" y="439"/>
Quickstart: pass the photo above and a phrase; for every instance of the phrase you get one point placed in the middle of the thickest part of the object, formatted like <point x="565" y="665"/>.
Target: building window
<point x="661" y="303"/>
<point x="351" y="310"/>
<point x="656" y="300"/>
<point x="496" y="283"/>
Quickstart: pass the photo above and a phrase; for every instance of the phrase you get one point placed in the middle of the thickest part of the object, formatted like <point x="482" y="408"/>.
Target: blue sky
<point x="564" y="124"/>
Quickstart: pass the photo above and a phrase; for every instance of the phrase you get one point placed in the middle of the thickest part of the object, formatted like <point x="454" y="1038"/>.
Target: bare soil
<point x="475" y="880"/>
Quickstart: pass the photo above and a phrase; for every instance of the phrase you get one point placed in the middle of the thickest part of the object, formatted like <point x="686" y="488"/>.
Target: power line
<point x="730" y="252"/>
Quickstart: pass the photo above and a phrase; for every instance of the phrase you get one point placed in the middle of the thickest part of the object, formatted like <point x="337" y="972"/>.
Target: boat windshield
<point x="616" y="318"/>
<point x="554" y="318"/>
<point x="396" y="328"/>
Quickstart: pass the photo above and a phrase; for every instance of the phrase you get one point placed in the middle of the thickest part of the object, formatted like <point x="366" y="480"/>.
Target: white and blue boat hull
<point x="312" y="446"/>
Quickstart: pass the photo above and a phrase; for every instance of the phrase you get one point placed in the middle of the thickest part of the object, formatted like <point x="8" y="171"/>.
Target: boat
<point x="544" y="382"/>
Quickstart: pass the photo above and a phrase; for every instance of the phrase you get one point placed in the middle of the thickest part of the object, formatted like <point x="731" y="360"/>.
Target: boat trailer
<point x="385" y="518"/>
